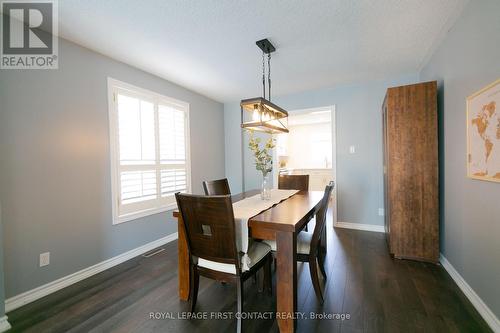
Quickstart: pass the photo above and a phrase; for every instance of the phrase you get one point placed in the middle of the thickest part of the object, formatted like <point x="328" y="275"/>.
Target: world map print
<point x="483" y="117"/>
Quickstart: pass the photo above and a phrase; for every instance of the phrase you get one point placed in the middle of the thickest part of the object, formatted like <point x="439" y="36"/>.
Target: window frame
<point x="114" y="87"/>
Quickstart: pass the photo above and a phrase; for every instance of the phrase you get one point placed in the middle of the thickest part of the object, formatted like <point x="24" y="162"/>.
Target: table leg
<point x="286" y="280"/>
<point x="184" y="271"/>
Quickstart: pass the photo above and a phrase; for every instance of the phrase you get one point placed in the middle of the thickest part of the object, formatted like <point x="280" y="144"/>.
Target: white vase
<point x="265" y="191"/>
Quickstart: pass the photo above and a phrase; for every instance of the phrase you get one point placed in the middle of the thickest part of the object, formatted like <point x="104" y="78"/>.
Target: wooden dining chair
<point x="293" y="182"/>
<point x="216" y="187"/>
<point x="309" y="247"/>
<point x="219" y="187"/>
<point x="210" y="232"/>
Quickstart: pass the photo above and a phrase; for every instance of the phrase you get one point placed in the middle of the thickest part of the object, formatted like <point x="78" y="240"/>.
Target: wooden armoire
<point x="411" y="175"/>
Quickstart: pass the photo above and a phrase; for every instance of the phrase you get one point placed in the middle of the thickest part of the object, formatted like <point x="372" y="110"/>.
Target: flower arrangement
<point x="263" y="157"/>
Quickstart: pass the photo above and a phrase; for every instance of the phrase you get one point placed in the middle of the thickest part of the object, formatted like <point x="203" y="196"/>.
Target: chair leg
<point x="321" y="262"/>
<point x="315" y="278"/>
<point x="268" y="284"/>
<point x="239" y="291"/>
<point x="195" y="282"/>
<point x="323" y="246"/>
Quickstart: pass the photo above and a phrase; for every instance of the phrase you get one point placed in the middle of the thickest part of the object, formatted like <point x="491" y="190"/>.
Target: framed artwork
<point x="483" y="133"/>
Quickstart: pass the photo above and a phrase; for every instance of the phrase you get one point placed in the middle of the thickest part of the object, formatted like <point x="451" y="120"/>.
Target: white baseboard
<point x="474" y="298"/>
<point x="359" y="226"/>
<point x="51" y="287"/>
<point x="4" y="324"/>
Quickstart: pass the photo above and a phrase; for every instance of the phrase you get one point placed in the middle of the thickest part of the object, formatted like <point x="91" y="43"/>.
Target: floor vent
<point x="153" y="252"/>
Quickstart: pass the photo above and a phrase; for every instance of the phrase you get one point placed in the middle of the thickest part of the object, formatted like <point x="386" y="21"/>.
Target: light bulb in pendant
<point x="256" y="114"/>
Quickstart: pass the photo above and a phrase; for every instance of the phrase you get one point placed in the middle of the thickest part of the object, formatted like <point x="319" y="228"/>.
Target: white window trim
<point x="114" y="84"/>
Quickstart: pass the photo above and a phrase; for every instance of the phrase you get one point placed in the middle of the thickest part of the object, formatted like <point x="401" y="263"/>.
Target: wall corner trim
<point x="4" y="324"/>
<point x="471" y="295"/>
<point x="51" y="287"/>
<point x="359" y="226"/>
<point x="441" y="36"/>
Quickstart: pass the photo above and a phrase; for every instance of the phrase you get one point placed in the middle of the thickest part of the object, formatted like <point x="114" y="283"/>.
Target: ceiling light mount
<point x="265" y="116"/>
<point x="265" y="45"/>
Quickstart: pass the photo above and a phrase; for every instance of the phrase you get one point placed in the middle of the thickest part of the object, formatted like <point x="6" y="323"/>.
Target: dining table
<point x="281" y="222"/>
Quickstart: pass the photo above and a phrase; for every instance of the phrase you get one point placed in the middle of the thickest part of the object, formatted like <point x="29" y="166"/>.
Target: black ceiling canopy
<point x="265" y="45"/>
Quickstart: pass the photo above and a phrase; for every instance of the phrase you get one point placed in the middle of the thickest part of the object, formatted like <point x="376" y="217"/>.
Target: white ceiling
<point x="209" y="45"/>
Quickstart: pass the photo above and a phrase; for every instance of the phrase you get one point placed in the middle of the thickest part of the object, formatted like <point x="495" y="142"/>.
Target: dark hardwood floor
<point x="379" y="294"/>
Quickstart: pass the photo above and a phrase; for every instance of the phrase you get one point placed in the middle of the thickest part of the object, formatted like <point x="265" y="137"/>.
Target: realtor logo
<point x="29" y="35"/>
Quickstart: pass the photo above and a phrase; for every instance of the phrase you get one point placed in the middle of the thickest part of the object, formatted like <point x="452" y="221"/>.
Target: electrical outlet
<point x="381" y="212"/>
<point x="44" y="259"/>
<point x="352" y="150"/>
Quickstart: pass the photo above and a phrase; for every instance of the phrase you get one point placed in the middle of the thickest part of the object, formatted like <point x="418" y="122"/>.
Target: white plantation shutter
<point x="172" y="150"/>
<point x="149" y="138"/>
<point x="172" y="181"/>
<point x="137" y="186"/>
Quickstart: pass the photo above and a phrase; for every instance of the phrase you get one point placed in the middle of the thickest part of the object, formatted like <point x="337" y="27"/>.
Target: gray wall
<point x="55" y="174"/>
<point x="2" y="293"/>
<point x="359" y="123"/>
<point x="467" y="60"/>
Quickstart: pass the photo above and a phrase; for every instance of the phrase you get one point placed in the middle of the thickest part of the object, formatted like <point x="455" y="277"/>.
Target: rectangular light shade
<point x="274" y="112"/>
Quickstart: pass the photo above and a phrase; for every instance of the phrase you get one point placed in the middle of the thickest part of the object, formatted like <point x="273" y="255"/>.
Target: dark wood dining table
<point x="282" y="223"/>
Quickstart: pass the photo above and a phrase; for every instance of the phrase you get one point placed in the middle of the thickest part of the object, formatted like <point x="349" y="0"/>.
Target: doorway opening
<point x="309" y="149"/>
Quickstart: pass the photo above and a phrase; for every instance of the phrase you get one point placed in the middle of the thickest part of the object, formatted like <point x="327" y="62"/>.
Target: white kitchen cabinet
<point x="318" y="178"/>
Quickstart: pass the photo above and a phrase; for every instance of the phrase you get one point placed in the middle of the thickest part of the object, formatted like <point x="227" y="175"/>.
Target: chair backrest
<point x="209" y="226"/>
<point x="216" y="187"/>
<point x="293" y="182"/>
<point x="321" y="217"/>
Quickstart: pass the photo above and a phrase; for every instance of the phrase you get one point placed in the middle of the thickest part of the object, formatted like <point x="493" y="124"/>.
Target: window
<point x="149" y="135"/>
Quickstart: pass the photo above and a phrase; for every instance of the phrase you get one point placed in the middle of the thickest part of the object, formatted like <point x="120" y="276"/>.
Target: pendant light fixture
<point x="259" y="113"/>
